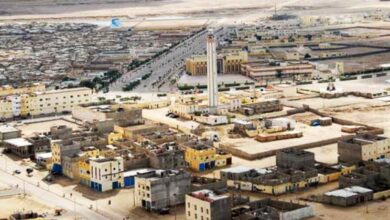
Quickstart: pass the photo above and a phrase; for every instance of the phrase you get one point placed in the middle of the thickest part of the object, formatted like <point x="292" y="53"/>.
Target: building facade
<point x="363" y="148"/>
<point x="161" y="189"/>
<point x="36" y="102"/>
<point x="207" y="205"/>
<point x="106" y="173"/>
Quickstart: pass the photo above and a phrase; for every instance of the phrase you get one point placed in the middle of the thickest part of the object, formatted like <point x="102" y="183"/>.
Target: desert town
<point x="283" y="115"/>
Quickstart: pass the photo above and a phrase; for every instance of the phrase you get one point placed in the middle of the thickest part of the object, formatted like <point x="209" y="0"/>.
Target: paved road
<point x="168" y="66"/>
<point x="50" y="198"/>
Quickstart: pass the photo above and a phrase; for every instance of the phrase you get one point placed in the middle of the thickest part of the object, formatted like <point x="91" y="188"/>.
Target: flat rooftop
<point x="207" y="195"/>
<point x="348" y="192"/>
<point x="7" y="129"/>
<point x="310" y="135"/>
<point x="18" y="142"/>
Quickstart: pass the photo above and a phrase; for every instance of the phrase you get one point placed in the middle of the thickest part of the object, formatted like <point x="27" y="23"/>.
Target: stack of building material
<point x="278" y="136"/>
<point x="352" y="128"/>
<point x="325" y="121"/>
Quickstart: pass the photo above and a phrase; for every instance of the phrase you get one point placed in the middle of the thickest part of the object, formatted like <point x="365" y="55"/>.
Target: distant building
<point x="207" y="205"/>
<point x="161" y="189"/>
<point x="9" y="90"/>
<point x="291" y="55"/>
<point x="32" y="102"/>
<point x="103" y="117"/>
<point x="227" y="63"/>
<point x="363" y="147"/>
<point x="264" y="71"/>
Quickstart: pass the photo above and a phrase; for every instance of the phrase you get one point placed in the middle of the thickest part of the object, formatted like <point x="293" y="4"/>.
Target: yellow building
<point x="114" y="136"/>
<point x="202" y="157"/>
<point x="84" y="165"/>
<point x="197" y="65"/>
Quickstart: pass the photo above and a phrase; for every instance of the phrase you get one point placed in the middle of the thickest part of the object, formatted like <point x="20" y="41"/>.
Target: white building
<point x="106" y="173"/>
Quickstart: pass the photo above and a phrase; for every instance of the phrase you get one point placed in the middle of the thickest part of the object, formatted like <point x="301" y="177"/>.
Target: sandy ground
<point x="376" y="84"/>
<point x="11" y="204"/>
<point x="321" y="103"/>
<point x="375" y="117"/>
<point x="171" y="12"/>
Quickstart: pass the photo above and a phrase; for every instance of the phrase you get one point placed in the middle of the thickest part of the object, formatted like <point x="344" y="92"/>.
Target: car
<point x="17" y="172"/>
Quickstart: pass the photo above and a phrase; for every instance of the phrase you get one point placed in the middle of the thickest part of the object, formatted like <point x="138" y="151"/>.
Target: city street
<point x="167" y="67"/>
<point x="54" y="196"/>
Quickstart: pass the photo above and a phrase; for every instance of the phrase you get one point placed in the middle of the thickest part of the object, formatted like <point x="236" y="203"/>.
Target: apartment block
<point x="35" y="102"/>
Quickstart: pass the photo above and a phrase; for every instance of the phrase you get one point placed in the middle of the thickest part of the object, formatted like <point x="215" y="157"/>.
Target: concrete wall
<point x="297" y="214"/>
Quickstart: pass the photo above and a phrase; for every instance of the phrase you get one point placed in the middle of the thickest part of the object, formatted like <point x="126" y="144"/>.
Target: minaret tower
<point x="212" y="86"/>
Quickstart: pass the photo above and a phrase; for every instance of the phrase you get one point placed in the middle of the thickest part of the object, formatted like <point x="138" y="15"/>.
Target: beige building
<point x="291" y="55"/>
<point x="227" y="63"/>
<point x="9" y="90"/>
<point x="261" y="71"/>
<point x="363" y="148"/>
<point x="39" y="102"/>
<point x="206" y="205"/>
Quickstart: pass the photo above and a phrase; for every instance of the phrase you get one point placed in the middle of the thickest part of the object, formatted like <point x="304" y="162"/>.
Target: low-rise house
<point x="201" y="156"/>
<point x="20" y="147"/>
<point x="161" y="189"/>
<point x="348" y="196"/>
<point x="363" y="147"/>
<point x="9" y="132"/>
<point x="103" y="117"/>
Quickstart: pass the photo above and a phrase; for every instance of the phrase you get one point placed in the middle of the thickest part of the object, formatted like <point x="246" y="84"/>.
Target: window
<point x="189" y="205"/>
<point x="196" y="216"/>
<point x="189" y="213"/>
<point x="201" y="209"/>
<point x="195" y="208"/>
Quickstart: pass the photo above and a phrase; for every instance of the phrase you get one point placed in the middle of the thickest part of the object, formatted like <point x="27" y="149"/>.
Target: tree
<point x="279" y="75"/>
<point x="87" y="83"/>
